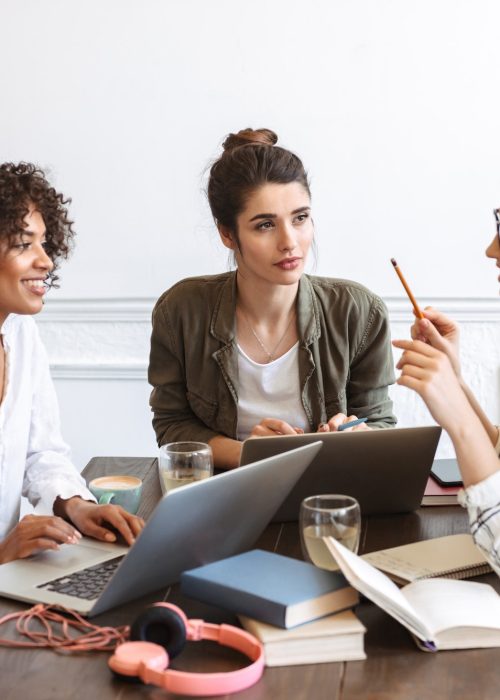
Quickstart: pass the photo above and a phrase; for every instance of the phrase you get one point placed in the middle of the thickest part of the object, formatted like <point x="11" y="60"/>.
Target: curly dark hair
<point x="22" y="184"/>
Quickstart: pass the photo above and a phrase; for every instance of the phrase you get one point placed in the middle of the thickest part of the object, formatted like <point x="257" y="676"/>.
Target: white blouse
<point x="270" y="390"/>
<point x="34" y="460"/>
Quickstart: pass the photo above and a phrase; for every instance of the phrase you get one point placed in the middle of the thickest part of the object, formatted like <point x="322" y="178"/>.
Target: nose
<point x="493" y="250"/>
<point x="287" y="239"/>
<point x="42" y="260"/>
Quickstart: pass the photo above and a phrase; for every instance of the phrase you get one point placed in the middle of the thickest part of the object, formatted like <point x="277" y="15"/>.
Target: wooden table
<point x="395" y="668"/>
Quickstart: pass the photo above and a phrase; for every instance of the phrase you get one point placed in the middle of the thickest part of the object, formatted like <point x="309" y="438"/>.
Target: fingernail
<point x="110" y="537"/>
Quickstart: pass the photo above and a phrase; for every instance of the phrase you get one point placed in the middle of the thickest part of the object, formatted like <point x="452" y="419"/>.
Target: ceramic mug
<point x="120" y="490"/>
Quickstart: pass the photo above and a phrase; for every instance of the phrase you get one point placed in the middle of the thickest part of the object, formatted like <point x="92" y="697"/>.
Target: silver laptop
<point x="385" y="470"/>
<point x="192" y="525"/>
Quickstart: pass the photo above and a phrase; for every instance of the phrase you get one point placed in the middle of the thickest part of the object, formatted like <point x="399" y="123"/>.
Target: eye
<point x="264" y="225"/>
<point x="300" y="218"/>
<point x="21" y="246"/>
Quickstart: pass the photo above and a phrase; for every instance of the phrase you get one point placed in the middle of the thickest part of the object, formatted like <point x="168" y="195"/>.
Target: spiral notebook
<point x="453" y="556"/>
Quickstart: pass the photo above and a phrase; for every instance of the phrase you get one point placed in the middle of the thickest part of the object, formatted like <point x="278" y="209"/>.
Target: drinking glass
<point x="330" y="514"/>
<point x="181" y="463"/>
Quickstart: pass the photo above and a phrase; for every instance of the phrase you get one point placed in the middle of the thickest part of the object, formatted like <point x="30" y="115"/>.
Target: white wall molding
<point x="464" y="309"/>
<point x="89" y="370"/>
<point x="108" y="339"/>
<point x="97" y="310"/>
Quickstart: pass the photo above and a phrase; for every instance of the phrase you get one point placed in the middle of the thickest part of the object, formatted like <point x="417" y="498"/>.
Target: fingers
<point x="272" y="426"/>
<point x="39" y="544"/>
<point x="128" y="525"/>
<point x="361" y="426"/>
<point x="34" y="533"/>
<point x="334" y="423"/>
<point x="416" y="346"/>
<point x="50" y="527"/>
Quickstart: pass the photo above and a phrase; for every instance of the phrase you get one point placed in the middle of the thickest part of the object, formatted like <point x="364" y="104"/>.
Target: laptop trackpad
<point x="73" y="557"/>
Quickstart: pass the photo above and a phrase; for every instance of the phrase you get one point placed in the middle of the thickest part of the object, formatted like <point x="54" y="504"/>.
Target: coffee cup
<point x="119" y="489"/>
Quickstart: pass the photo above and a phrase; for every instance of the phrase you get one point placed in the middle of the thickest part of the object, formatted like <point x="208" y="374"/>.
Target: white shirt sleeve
<point x="482" y="500"/>
<point x="49" y="472"/>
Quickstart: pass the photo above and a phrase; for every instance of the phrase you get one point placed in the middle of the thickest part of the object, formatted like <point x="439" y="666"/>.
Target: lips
<point x="288" y="263"/>
<point x="35" y="286"/>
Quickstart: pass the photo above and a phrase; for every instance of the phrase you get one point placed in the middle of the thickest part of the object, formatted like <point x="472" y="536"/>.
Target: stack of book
<point x="287" y="604"/>
<point x="443" y="484"/>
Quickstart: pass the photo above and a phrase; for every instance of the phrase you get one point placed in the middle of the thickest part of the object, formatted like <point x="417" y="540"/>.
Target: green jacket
<point x="345" y="356"/>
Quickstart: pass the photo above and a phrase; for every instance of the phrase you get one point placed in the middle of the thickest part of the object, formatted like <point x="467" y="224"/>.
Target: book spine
<point x="237" y="601"/>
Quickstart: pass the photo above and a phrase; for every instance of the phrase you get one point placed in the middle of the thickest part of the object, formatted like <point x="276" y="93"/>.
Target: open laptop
<point x="192" y="525"/>
<point x="385" y="470"/>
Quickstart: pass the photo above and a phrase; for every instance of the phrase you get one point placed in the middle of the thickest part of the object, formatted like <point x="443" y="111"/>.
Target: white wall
<point x="393" y="106"/>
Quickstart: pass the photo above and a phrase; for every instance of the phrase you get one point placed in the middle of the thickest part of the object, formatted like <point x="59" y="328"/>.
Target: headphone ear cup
<point x="160" y="625"/>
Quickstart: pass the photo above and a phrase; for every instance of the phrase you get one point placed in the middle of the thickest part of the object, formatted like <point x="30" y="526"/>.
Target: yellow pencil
<point x="418" y="313"/>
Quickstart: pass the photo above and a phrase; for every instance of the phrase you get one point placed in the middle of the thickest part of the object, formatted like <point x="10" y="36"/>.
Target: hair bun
<point x="250" y="137"/>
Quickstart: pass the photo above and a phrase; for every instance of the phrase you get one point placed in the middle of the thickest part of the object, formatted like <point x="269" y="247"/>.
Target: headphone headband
<point x="150" y="661"/>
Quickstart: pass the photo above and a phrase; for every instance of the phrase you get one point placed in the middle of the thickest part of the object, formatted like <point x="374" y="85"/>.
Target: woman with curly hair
<point x="35" y="234"/>
<point x="267" y="349"/>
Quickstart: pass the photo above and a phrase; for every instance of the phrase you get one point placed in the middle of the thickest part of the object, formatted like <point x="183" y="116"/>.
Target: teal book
<point x="269" y="587"/>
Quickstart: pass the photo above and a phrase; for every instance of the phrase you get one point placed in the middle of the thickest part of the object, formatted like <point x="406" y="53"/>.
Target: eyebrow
<point x="274" y="216"/>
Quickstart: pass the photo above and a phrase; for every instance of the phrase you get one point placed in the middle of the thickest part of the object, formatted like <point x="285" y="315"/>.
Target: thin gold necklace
<point x="272" y="353"/>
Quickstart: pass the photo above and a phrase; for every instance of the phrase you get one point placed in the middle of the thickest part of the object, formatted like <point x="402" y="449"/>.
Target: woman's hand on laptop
<point x="35" y="533"/>
<point x="274" y="426"/>
<point x="339" y="419"/>
<point x="91" y="519"/>
<point x="441" y="332"/>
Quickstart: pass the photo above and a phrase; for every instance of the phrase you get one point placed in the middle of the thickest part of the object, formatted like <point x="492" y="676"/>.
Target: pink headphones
<point x="160" y="634"/>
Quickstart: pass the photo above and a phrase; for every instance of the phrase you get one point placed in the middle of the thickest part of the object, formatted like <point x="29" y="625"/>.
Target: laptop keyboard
<point x="87" y="583"/>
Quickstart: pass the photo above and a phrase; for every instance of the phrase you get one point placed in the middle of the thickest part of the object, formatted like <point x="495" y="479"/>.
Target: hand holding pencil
<point x="433" y="327"/>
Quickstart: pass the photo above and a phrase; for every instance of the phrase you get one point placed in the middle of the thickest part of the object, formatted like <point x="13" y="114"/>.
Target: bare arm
<point x="226" y="452"/>
<point x="429" y="372"/>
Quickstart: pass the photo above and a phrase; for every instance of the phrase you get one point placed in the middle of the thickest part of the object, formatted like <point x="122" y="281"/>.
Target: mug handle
<point x="106" y="498"/>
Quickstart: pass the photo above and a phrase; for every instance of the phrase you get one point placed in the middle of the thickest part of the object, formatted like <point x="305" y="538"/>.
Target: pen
<point x="418" y="313"/>
<point x="352" y="423"/>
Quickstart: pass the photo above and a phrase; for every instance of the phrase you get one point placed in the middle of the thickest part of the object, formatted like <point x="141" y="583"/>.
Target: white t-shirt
<point x="269" y="391"/>
<point x="34" y="460"/>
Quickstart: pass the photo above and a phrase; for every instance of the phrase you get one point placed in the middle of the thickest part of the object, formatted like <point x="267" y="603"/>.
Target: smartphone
<point x="446" y="472"/>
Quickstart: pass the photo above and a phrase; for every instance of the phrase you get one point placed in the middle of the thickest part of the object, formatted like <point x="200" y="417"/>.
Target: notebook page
<point x="446" y="603"/>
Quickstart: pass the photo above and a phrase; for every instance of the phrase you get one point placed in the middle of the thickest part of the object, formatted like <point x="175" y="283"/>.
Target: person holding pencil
<point x="266" y="349"/>
<point x="430" y="365"/>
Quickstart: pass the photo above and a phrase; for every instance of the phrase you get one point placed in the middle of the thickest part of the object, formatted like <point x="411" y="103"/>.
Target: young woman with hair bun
<point x="265" y="349"/>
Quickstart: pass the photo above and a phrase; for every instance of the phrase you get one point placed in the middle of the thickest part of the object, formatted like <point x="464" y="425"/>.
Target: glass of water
<point x="181" y="463"/>
<point x="329" y="515"/>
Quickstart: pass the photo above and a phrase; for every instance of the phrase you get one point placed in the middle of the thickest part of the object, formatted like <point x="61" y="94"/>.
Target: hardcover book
<point x="269" y="587"/>
<point x="338" y="637"/>
<point x="436" y="495"/>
